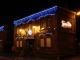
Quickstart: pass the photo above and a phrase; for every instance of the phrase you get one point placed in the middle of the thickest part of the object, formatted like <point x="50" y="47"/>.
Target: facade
<point x="50" y="32"/>
<point x="6" y="39"/>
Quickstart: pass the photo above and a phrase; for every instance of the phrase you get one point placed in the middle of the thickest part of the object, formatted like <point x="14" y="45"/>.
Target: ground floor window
<point x="18" y="43"/>
<point x="48" y="42"/>
<point x="42" y="42"/>
<point x="45" y="42"/>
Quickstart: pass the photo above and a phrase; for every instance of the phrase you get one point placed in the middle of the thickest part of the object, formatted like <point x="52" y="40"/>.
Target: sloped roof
<point x="35" y="16"/>
<point x="1" y="28"/>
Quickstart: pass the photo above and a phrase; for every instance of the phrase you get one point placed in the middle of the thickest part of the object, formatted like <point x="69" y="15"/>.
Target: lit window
<point x="30" y="26"/>
<point x="17" y="43"/>
<point x="20" y="43"/>
<point x="48" y="42"/>
<point x="42" y="42"/>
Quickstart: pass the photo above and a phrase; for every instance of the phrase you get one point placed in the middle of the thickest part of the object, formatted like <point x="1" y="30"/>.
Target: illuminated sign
<point x="30" y="32"/>
<point x="66" y="24"/>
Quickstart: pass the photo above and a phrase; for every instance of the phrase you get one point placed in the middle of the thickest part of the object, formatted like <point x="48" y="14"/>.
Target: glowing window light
<point x="46" y="12"/>
<point x="66" y="24"/>
<point x="1" y="28"/>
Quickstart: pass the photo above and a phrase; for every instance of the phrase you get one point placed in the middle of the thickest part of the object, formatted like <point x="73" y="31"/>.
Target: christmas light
<point x="36" y="16"/>
<point x="0" y="40"/>
<point x="1" y="28"/>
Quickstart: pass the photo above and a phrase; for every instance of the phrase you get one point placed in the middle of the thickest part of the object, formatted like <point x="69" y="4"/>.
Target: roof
<point x="1" y="28"/>
<point x="36" y="16"/>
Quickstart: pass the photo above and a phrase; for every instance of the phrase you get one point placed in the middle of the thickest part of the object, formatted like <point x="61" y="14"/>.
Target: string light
<point x="50" y="11"/>
<point x="0" y="40"/>
<point x="1" y="28"/>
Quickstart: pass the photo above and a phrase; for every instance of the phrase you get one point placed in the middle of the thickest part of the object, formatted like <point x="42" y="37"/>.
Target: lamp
<point x="78" y="13"/>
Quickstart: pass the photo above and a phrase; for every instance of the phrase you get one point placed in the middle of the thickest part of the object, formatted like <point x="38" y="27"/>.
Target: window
<point x="48" y="23"/>
<point x="48" y="42"/>
<point x="42" y="42"/>
<point x="20" y="43"/>
<point x="17" y="43"/>
<point x="30" y="26"/>
<point x="42" y="24"/>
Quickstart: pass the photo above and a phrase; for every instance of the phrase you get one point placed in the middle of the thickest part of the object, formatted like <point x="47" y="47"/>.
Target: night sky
<point x="12" y="10"/>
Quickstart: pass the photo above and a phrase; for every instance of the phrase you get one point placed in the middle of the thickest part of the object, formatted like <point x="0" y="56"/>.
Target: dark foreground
<point x="7" y="56"/>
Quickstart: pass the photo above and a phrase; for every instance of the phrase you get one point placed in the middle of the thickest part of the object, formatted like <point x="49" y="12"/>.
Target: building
<point x="6" y="38"/>
<point x="50" y="32"/>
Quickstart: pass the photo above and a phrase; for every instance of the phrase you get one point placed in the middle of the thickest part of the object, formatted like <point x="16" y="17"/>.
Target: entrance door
<point x="30" y="46"/>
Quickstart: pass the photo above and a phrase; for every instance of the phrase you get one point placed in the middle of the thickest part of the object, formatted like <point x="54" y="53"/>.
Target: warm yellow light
<point x="78" y="13"/>
<point x="34" y="26"/>
<point x="66" y="24"/>
<point x="20" y="30"/>
<point x="42" y="28"/>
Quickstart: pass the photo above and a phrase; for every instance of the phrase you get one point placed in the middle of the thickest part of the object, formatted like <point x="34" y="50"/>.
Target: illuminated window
<point x="20" y="43"/>
<point x="17" y="43"/>
<point x="42" y="42"/>
<point x="66" y="24"/>
<point x="48" y="42"/>
<point x="30" y="26"/>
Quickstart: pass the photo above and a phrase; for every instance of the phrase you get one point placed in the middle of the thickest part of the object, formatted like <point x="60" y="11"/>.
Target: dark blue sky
<point x="12" y="11"/>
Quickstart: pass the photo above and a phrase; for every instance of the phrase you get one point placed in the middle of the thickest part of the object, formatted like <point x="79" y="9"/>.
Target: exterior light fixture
<point x="42" y="28"/>
<point x="30" y="32"/>
<point x="20" y="30"/>
<point x="34" y="26"/>
<point x="78" y="13"/>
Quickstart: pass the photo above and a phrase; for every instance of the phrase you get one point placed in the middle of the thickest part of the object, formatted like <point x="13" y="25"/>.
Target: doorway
<point x="30" y="46"/>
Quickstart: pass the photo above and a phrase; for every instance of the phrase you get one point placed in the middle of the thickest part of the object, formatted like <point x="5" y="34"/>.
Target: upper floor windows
<point x="30" y="26"/>
<point x="42" y="24"/>
<point x="48" y="23"/>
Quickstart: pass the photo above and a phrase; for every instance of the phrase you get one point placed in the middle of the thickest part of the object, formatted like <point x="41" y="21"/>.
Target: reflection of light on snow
<point x="66" y="24"/>
<point x="30" y="32"/>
